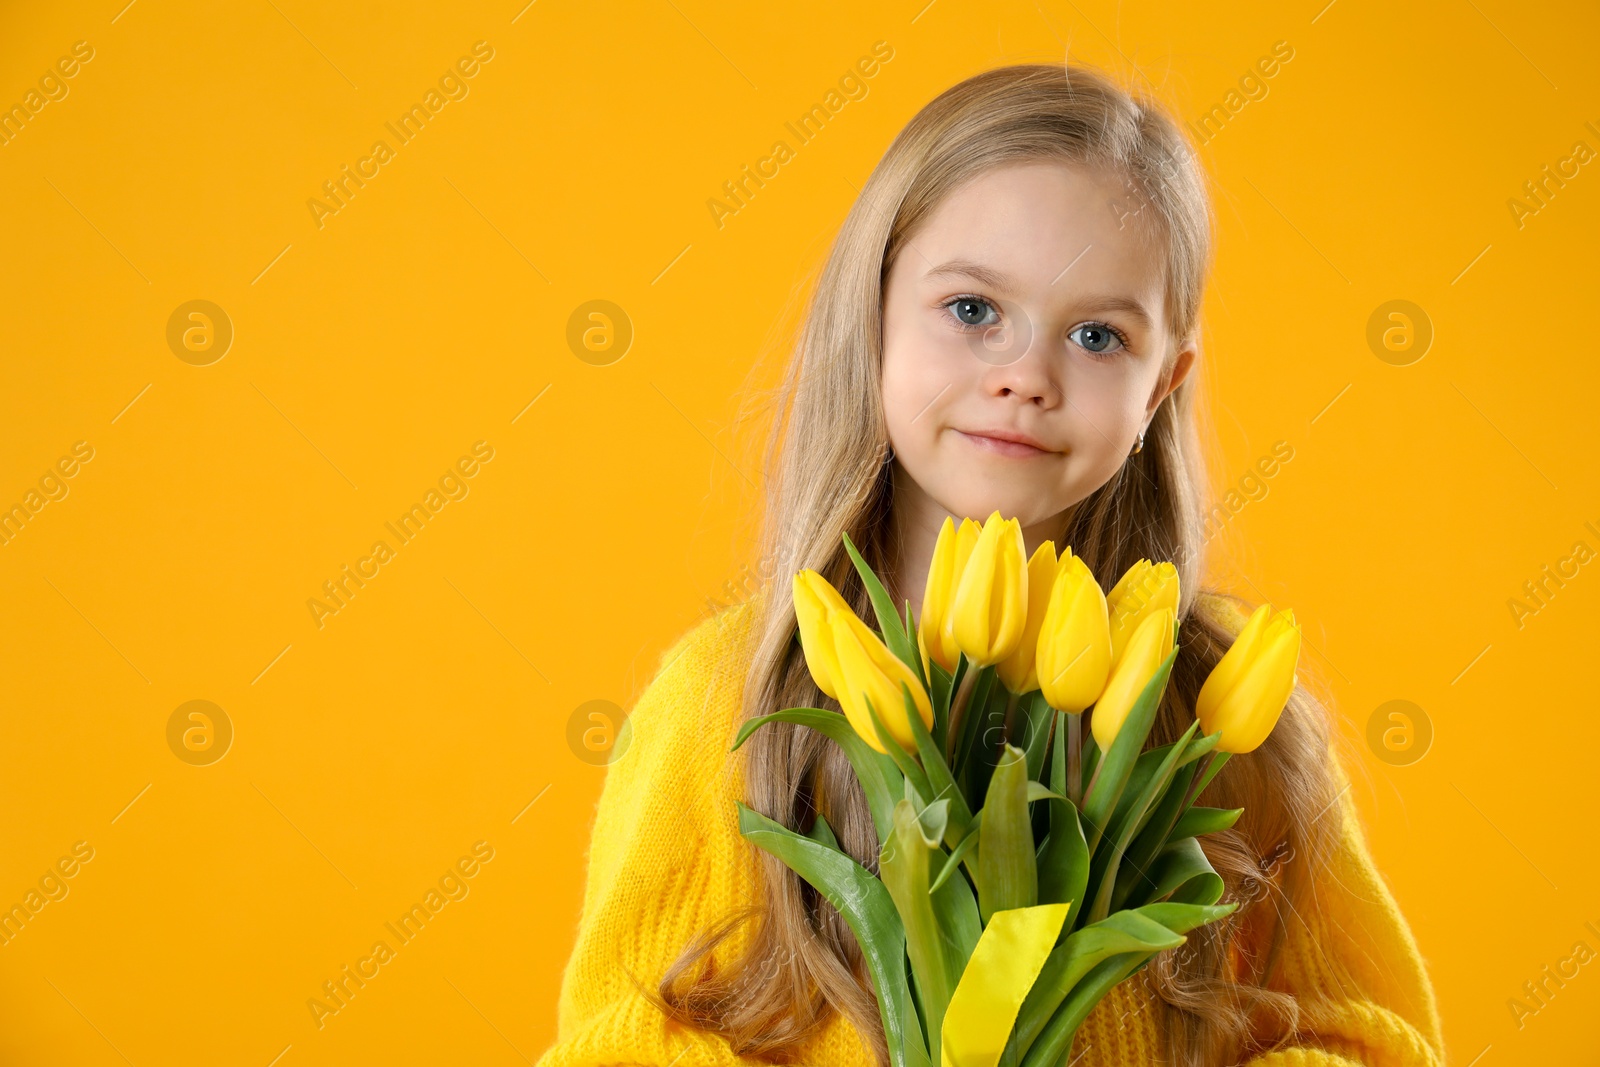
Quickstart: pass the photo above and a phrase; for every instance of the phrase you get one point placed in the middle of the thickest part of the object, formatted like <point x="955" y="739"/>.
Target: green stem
<point x="958" y="707"/>
<point x="1197" y="783"/>
<point x="1011" y="718"/>
<point x="1075" y="759"/>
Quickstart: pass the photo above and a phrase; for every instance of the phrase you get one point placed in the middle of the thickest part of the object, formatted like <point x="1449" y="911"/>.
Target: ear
<point x="1175" y="373"/>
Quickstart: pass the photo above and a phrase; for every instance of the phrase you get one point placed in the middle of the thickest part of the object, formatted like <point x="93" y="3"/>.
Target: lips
<point x="1006" y="442"/>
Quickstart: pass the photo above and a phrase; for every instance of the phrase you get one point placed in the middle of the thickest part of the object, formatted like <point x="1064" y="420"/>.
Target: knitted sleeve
<point x="1381" y="1012"/>
<point x="661" y="863"/>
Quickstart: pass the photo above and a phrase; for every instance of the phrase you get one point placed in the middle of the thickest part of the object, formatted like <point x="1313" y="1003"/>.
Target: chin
<point x="980" y="496"/>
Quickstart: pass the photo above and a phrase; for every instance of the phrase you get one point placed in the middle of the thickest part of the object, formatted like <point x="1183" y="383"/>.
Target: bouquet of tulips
<point x="1024" y="870"/>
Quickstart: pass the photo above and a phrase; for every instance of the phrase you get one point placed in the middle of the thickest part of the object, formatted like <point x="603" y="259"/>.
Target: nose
<point x="1020" y="367"/>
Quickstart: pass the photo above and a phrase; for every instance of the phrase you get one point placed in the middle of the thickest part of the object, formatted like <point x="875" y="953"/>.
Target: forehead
<point x="1033" y="221"/>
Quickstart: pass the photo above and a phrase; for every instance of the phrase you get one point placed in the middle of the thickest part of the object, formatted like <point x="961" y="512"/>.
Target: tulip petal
<point x="1019" y="672"/>
<point x="1232" y="667"/>
<point x="1251" y="710"/>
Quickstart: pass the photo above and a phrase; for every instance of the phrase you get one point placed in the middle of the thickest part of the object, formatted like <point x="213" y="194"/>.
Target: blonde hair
<point x="828" y="461"/>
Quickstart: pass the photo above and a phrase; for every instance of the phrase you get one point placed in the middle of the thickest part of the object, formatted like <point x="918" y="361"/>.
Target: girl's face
<point x="1024" y="345"/>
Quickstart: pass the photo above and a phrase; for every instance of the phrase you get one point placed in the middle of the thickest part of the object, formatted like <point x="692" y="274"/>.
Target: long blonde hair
<point x="828" y="461"/>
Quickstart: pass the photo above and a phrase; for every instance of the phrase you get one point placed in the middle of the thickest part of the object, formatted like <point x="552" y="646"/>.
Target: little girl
<point x="1008" y="321"/>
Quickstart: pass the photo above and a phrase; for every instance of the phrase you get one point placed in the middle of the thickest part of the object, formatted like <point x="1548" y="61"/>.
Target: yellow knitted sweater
<point x="666" y="860"/>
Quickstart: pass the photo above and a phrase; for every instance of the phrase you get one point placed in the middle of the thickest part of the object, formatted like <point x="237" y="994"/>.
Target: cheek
<point x="1107" y="410"/>
<point x="921" y="376"/>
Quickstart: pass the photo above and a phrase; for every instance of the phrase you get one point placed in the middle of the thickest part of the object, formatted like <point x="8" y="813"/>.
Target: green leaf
<point x="894" y="631"/>
<point x="985" y="737"/>
<point x="822" y="833"/>
<point x="903" y="866"/>
<point x="932" y="821"/>
<point x="1007" y="867"/>
<point x="1134" y="820"/>
<point x="1078" y="954"/>
<point x="880" y="779"/>
<point x="963" y="847"/>
<point x="1197" y="748"/>
<point x="1181" y="918"/>
<point x="940" y="690"/>
<point x="1151" y="840"/>
<point x="1054" y="1043"/>
<point x="1058" y="754"/>
<point x="1182" y="871"/>
<point x="1064" y="861"/>
<point x="1054" y="1040"/>
<point x="902" y="760"/>
<point x="868" y="909"/>
<point x="1089" y="758"/>
<point x="1117" y="763"/>
<point x="1197" y="821"/>
<point x="1039" y="718"/>
<point x="916" y="656"/>
<point x="971" y="719"/>
<point x="941" y="785"/>
<point x="1040" y="791"/>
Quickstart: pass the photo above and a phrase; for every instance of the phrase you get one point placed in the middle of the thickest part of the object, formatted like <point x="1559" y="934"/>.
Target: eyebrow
<point x="1003" y="282"/>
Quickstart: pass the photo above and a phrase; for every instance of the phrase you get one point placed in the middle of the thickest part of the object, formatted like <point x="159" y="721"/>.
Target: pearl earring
<point x="1138" y="445"/>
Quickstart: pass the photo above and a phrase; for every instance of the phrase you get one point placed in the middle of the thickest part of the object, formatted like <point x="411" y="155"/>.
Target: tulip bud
<point x="1247" y="689"/>
<point x="870" y="672"/>
<point x="991" y="602"/>
<point x="1143" y="589"/>
<point x="1018" y="671"/>
<point x="1142" y="657"/>
<point x="814" y="600"/>
<point x="1074" y="644"/>
<point x="950" y="554"/>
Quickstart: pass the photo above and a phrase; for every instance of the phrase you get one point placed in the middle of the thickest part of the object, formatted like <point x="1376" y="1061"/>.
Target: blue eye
<point x="969" y="312"/>
<point x="1096" y="337"/>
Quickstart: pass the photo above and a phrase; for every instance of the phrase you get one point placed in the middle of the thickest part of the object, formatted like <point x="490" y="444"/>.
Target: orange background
<point x="432" y="711"/>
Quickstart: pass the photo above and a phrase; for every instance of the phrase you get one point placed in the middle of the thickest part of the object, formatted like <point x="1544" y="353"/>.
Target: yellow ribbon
<point x="1001" y="970"/>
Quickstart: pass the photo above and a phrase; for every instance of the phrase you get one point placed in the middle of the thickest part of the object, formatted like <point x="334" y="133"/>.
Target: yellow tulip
<point x="1018" y="671"/>
<point x="1074" y="643"/>
<point x="991" y="602"/>
<point x="814" y="600"/>
<point x="950" y="554"/>
<point x="870" y="672"/>
<point x="1143" y="589"/>
<point x="1247" y="689"/>
<point x="1142" y="657"/>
